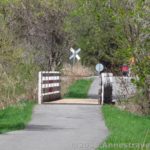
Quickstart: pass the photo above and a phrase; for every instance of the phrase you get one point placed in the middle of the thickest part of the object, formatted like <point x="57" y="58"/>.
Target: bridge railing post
<point x="40" y="88"/>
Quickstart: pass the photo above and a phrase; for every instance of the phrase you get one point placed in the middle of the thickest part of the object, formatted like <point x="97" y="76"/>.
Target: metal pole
<point x="74" y="60"/>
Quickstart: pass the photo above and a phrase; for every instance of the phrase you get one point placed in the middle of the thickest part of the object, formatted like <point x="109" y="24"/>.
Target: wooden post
<point x="40" y="88"/>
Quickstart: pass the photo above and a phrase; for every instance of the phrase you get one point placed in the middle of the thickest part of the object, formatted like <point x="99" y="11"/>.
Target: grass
<point x="126" y="130"/>
<point x="15" y="117"/>
<point x="79" y="89"/>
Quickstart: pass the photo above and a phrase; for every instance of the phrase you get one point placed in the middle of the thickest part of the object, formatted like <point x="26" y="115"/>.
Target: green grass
<point x="125" y="128"/>
<point x="79" y="89"/>
<point x="15" y="117"/>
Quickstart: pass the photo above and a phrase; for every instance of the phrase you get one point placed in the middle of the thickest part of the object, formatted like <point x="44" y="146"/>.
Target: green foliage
<point x="31" y="39"/>
<point x="17" y="68"/>
<point x="125" y="128"/>
<point x="136" y="25"/>
<point x="15" y="117"/>
<point x="92" y="25"/>
<point x="79" y="89"/>
<point x="114" y="31"/>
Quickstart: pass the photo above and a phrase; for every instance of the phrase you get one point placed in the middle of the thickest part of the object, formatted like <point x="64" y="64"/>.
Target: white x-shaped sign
<point x="75" y="54"/>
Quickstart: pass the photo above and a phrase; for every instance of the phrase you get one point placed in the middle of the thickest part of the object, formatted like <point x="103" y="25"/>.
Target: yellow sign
<point x="132" y="61"/>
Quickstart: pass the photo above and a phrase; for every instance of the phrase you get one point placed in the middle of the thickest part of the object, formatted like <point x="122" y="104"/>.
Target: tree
<point x="32" y="38"/>
<point x="114" y="31"/>
<point x="92" y="26"/>
<point x="40" y="24"/>
<point x="133" y="24"/>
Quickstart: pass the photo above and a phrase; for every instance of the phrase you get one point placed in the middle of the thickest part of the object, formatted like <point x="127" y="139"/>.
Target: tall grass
<point x="17" y="69"/>
<point x="77" y="70"/>
<point x="17" y="84"/>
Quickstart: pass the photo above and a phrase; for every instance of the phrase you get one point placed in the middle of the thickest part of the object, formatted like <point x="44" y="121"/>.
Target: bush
<point x="17" y="70"/>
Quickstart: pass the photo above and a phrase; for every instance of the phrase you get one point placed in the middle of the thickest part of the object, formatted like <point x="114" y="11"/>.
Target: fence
<point x="48" y="86"/>
<point x="114" y="88"/>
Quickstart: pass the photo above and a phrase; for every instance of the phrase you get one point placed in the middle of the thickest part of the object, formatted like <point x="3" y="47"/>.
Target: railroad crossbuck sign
<point x="75" y="54"/>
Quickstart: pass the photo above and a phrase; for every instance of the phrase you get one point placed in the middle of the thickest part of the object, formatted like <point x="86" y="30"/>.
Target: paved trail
<point x="59" y="127"/>
<point x="94" y="90"/>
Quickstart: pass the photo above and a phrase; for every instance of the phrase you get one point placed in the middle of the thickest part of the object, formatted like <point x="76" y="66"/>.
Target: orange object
<point x="132" y="61"/>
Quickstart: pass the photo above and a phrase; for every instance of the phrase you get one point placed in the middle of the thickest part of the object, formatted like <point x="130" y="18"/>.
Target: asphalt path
<point x="59" y="127"/>
<point x="94" y="89"/>
<point x="63" y="127"/>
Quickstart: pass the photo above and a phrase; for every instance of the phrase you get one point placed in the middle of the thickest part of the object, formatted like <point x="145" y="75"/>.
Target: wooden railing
<point x="49" y="88"/>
